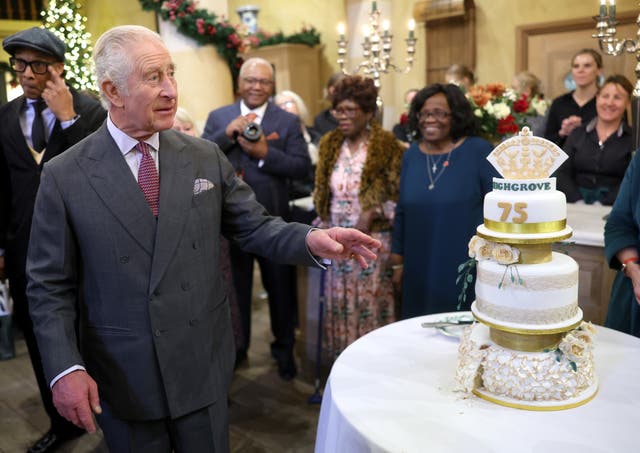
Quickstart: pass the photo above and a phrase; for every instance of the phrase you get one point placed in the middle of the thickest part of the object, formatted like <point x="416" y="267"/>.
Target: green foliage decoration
<point x="205" y="27"/>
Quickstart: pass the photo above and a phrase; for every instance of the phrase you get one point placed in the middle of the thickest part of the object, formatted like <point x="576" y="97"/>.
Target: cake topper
<point x="526" y="156"/>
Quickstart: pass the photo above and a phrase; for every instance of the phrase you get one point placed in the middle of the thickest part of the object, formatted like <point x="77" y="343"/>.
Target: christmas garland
<point x="207" y="28"/>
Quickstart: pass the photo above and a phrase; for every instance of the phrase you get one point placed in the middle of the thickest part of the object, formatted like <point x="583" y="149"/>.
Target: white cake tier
<point x="533" y="295"/>
<point x="527" y="380"/>
<point x="525" y="210"/>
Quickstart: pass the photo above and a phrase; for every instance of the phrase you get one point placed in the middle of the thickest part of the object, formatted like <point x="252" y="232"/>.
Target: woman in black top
<point x="599" y="151"/>
<point x="577" y="107"/>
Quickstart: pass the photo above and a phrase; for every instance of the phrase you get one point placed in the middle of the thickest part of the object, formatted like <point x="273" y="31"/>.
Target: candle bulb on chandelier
<point x="412" y="27"/>
<point x="612" y="11"/>
<point x="341" y="30"/>
<point x="603" y="8"/>
<point x="385" y="27"/>
<point x="366" y="32"/>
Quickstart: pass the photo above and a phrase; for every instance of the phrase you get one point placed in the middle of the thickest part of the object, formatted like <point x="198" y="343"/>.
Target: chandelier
<point x="376" y="46"/>
<point x="610" y="44"/>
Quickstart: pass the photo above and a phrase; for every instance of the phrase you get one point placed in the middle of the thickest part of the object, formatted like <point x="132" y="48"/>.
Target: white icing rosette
<point x="505" y="254"/>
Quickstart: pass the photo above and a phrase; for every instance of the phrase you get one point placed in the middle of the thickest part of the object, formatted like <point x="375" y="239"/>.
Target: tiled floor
<point x="266" y="413"/>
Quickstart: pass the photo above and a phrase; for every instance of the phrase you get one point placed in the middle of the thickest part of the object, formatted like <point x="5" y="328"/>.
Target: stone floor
<point x="267" y="414"/>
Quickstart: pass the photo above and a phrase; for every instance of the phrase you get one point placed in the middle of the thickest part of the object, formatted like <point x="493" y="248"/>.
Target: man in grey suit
<point x="127" y="223"/>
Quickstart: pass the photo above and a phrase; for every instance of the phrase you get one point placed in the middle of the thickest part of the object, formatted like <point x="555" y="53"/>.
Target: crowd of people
<point x="131" y="252"/>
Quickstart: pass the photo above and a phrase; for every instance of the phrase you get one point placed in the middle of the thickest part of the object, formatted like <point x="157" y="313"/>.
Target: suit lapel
<point x="111" y="178"/>
<point x="176" y="191"/>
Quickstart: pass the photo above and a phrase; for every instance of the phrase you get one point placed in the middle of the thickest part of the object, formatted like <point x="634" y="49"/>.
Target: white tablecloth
<point x="587" y="222"/>
<point x="392" y="390"/>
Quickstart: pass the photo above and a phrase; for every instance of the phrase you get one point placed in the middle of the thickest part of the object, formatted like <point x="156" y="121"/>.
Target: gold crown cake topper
<point x="526" y="156"/>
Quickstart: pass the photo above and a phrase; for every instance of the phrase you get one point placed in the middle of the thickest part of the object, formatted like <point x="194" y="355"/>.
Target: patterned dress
<point x="357" y="301"/>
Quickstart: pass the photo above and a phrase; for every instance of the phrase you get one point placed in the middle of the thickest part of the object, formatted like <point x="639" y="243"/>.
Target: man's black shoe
<point x="286" y="366"/>
<point x="51" y="441"/>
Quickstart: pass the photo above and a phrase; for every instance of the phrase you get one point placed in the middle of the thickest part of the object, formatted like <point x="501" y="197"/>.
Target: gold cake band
<point x="526" y="228"/>
<point x="525" y="343"/>
<point x="521" y="331"/>
<point x="534" y="253"/>
<point x="532" y="407"/>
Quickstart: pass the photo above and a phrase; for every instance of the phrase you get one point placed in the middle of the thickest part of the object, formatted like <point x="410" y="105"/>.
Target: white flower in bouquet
<point x="540" y="105"/>
<point x="510" y="95"/>
<point x="501" y="110"/>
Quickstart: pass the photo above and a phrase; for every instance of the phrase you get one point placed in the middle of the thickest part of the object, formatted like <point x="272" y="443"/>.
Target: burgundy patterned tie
<point x="148" y="179"/>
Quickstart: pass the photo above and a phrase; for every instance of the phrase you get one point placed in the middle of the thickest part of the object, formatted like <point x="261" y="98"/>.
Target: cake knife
<point x="459" y="322"/>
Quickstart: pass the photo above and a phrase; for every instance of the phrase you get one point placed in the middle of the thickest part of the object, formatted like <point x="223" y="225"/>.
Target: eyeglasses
<point x="254" y="81"/>
<point x="437" y="114"/>
<point x="286" y="104"/>
<point x="37" y="67"/>
<point x="349" y="112"/>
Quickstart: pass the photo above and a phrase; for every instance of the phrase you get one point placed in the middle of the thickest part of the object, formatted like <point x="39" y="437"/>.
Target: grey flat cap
<point x="35" y="38"/>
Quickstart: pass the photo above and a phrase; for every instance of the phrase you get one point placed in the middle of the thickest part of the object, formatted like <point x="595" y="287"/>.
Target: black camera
<point x="252" y="132"/>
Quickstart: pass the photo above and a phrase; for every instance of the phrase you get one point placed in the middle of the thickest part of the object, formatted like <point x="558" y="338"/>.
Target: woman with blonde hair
<point x="578" y="106"/>
<point x="599" y="151"/>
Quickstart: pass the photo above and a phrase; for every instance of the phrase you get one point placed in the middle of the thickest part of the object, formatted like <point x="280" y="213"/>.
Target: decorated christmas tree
<point x="63" y="18"/>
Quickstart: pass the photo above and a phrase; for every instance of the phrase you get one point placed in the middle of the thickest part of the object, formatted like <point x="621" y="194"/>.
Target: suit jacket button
<point x="195" y="245"/>
<point x="124" y="259"/>
<point x="193" y="322"/>
<point x="157" y="333"/>
<point x="185" y="286"/>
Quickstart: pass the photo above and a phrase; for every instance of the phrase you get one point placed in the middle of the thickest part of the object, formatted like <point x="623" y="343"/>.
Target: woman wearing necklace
<point x="444" y="178"/>
<point x="599" y="151"/>
<point x="578" y="106"/>
<point x="356" y="185"/>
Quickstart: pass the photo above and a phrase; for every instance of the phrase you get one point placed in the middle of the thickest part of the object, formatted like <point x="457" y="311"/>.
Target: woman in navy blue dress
<point x="444" y="178"/>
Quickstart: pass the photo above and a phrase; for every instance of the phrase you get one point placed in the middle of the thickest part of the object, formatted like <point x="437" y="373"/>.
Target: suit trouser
<point x="17" y="285"/>
<point x="279" y="282"/>
<point x="203" y="431"/>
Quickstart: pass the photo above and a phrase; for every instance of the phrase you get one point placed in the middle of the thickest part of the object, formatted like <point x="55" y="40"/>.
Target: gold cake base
<point x="548" y="405"/>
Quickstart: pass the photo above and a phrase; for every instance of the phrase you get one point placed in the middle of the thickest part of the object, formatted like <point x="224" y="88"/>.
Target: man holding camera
<point x="265" y="145"/>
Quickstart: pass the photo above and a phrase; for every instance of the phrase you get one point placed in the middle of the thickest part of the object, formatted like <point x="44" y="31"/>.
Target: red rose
<point x="507" y="126"/>
<point x="521" y="105"/>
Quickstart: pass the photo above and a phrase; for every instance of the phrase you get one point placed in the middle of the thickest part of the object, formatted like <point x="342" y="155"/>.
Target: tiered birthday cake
<point x="531" y="349"/>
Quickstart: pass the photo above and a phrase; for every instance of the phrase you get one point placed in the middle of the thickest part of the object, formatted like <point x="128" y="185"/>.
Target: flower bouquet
<point x="502" y="112"/>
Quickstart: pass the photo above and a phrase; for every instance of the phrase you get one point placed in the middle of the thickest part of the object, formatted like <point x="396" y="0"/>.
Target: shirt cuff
<point x="321" y="262"/>
<point x="65" y="372"/>
<point x="66" y="124"/>
<point x="260" y="163"/>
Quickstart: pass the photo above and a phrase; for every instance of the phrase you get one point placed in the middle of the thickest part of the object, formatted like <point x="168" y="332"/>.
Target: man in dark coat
<point x="267" y="164"/>
<point x="42" y="123"/>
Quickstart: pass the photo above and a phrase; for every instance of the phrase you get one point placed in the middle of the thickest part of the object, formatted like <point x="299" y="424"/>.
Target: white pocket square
<point x="201" y="185"/>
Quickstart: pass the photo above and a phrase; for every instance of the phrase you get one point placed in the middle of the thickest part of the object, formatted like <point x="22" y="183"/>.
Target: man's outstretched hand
<point x="343" y="244"/>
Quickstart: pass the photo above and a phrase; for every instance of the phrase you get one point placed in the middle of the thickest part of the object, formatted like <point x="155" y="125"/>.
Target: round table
<point x="393" y="390"/>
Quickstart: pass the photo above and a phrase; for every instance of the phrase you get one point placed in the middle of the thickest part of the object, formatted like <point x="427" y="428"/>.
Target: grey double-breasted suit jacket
<point x="154" y="327"/>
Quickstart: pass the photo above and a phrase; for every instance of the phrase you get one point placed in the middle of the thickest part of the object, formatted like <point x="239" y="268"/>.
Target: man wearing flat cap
<point x="42" y="123"/>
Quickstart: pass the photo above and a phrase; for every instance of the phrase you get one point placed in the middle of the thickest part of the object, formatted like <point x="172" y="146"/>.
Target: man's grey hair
<point x="112" y="56"/>
<point x="255" y="61"/>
